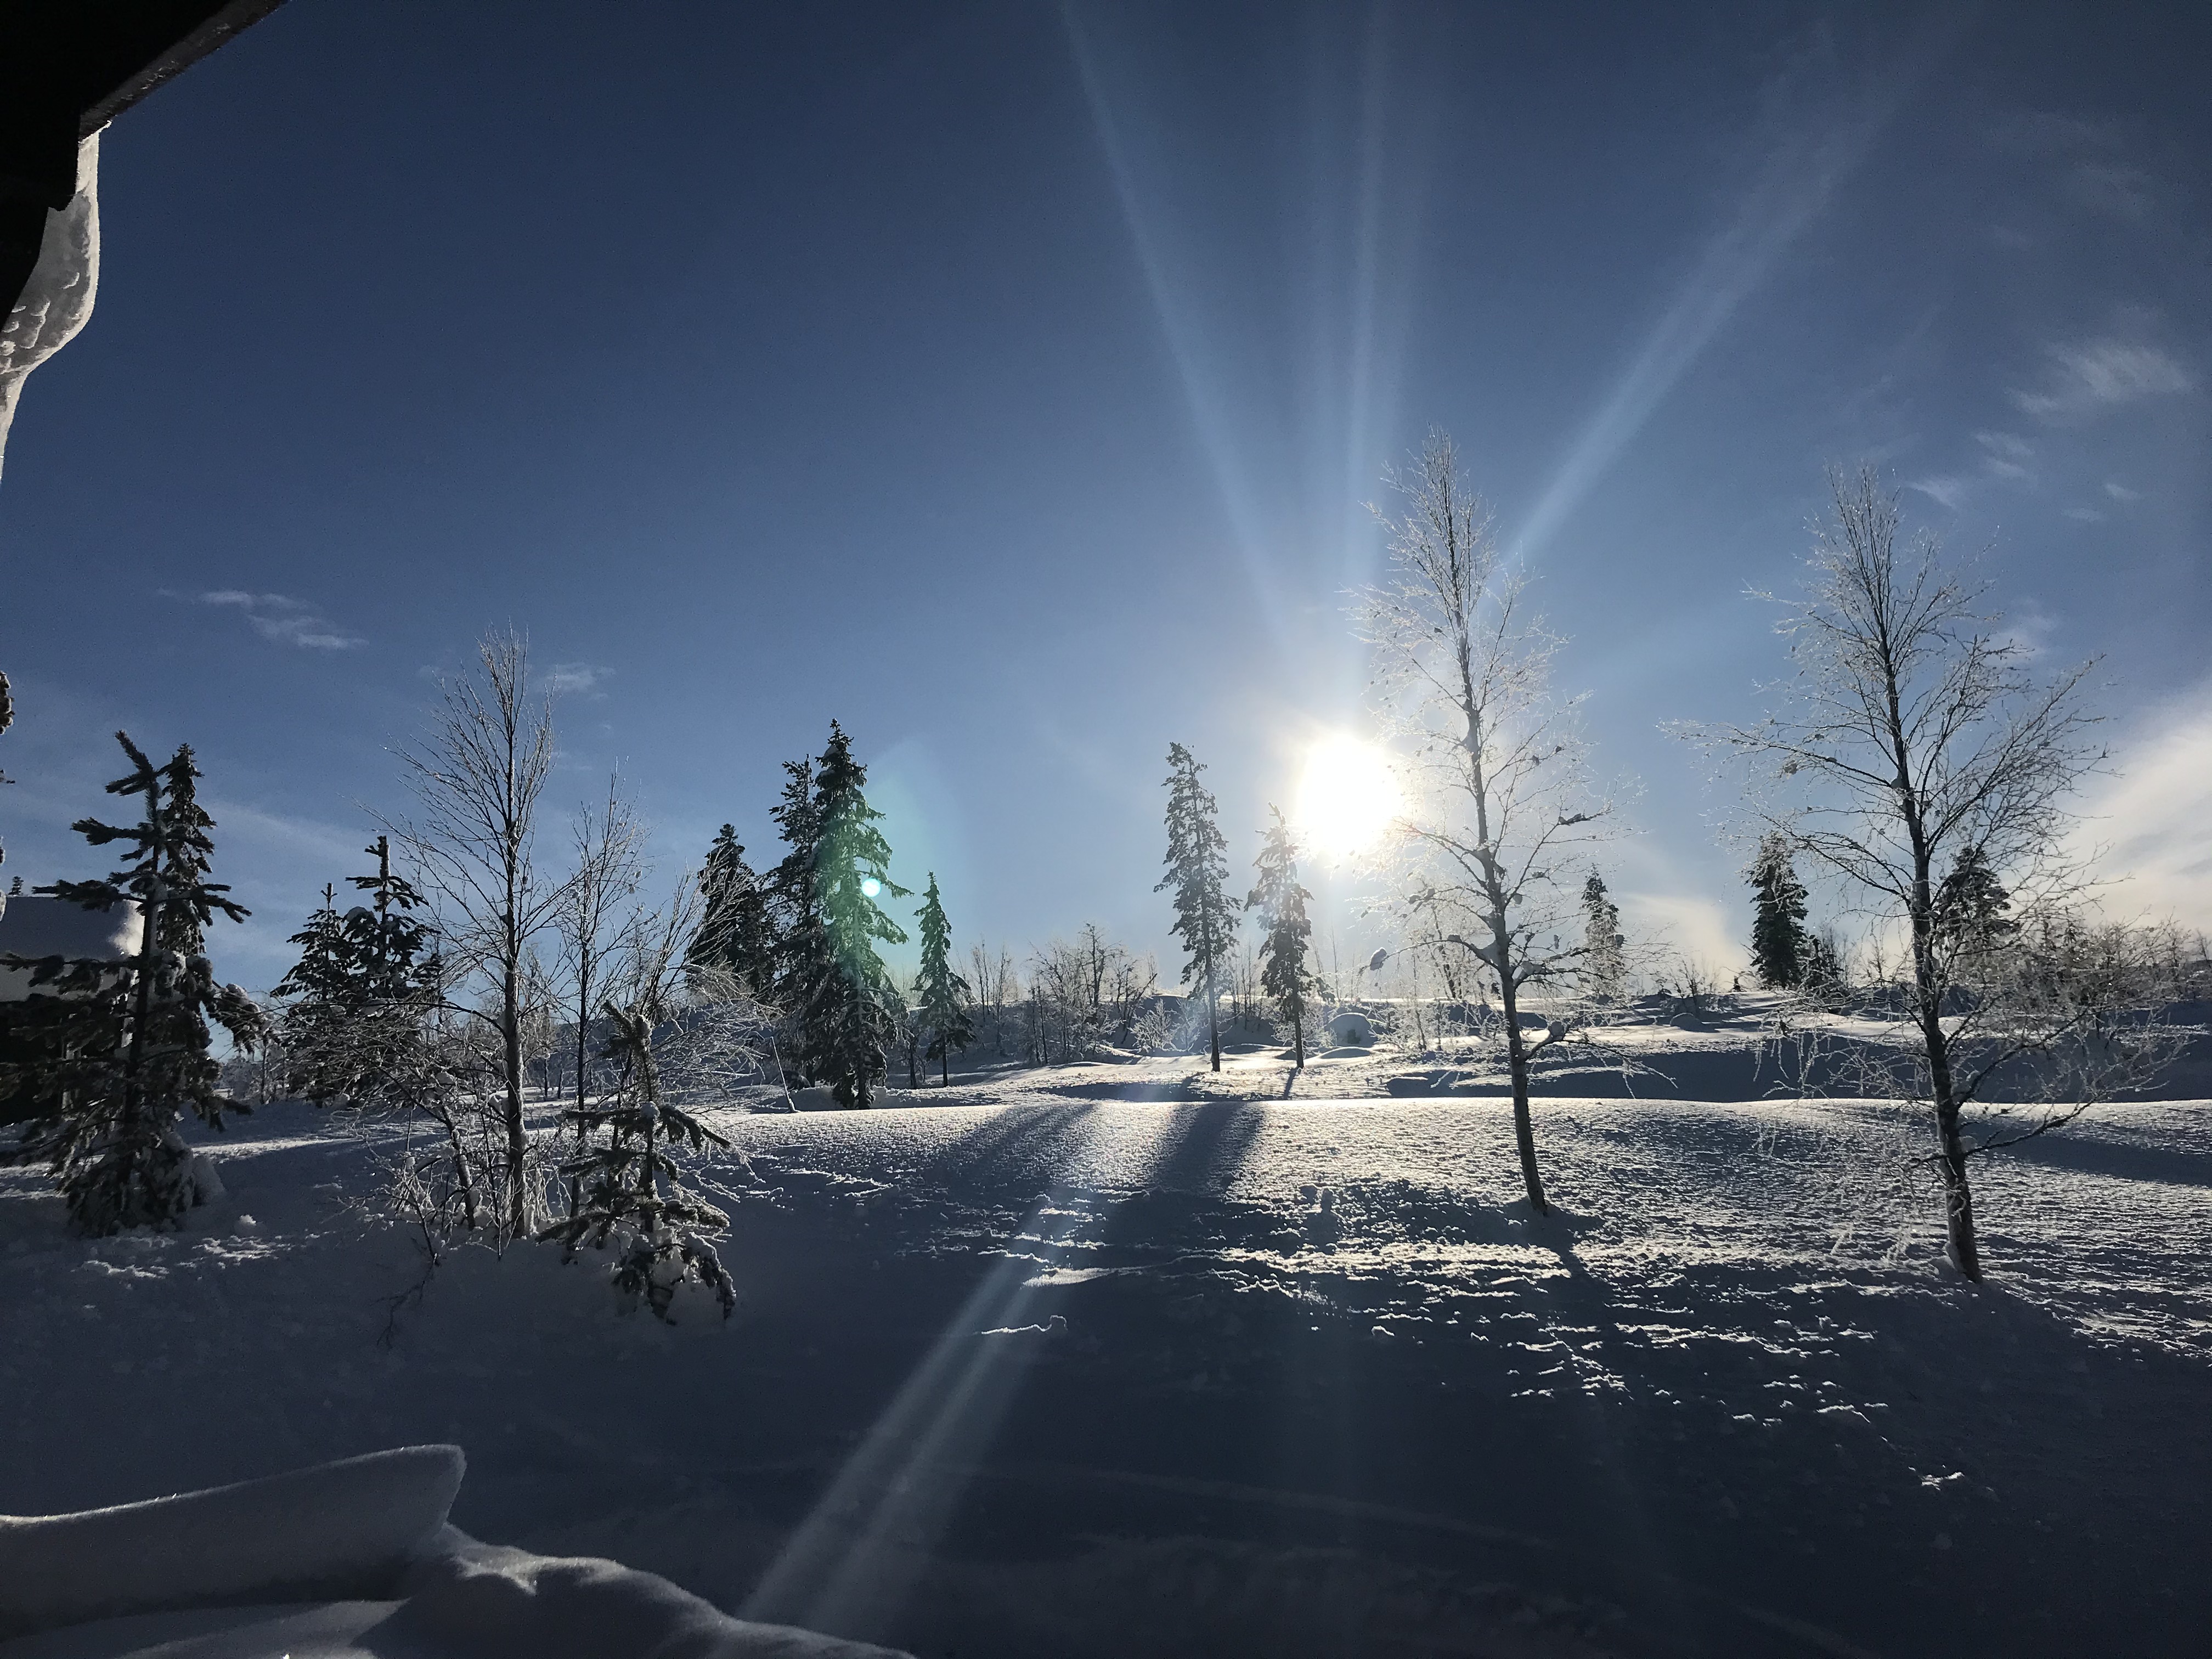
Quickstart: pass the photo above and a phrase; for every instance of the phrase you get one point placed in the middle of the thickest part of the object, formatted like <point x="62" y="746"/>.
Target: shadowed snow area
<point x="1074" y="1374"/>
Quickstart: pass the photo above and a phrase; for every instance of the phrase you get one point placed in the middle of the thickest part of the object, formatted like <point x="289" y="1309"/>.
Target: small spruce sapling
<point x="1281" y="904"/>
<point x="629" y="1192"/>
<point x="123" y="1047"/>
<point x="942" y="994"/>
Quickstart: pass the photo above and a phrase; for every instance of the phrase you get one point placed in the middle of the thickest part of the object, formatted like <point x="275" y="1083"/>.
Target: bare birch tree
<point x="1920" y="759"/>
<point x="1499" y="804"/>
<point x="477" y="774"/>
<point x="607" y="839"/>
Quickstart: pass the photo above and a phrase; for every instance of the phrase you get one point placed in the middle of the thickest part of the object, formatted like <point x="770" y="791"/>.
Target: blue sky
<point x="1006" y="382"/>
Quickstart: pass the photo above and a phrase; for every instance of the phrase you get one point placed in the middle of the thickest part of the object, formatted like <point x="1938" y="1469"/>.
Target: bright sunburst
<point x="1346" y="798"/>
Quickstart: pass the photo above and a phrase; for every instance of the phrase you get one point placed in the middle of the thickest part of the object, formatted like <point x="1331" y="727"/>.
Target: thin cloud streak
<point x="2088" y="378"/>
<point x="572" y="676"/>
<point x="286" y="620"/>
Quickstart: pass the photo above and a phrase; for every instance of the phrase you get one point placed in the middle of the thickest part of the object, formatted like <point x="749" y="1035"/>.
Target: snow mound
<point x="483" y="1602"/>
<point x="353" y="1559"/>
<point x="343" y="1531"/>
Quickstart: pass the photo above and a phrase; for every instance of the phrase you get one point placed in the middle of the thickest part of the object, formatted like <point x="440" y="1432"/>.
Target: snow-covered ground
<point x="1131" y="1359"/>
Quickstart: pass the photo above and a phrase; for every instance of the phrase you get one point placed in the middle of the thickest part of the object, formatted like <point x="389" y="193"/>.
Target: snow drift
<point x="351" y="1558"/>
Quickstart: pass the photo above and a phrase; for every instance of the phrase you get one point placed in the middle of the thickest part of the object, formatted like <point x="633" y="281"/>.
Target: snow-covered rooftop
<point x="35" y="927"/>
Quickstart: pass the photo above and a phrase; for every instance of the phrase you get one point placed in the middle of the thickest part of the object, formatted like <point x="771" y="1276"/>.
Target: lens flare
<point x="871" y="886"/>
<point x="1347" y="798"/>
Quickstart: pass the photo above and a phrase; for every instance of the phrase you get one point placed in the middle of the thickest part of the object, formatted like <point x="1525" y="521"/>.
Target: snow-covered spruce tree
<point x="477" y="775"/>
<point x="1499" y="804"/>
<point x="1825" y="977"/>
<point x="1780" y="945"/>
<point x="832" y="982"/>
<point x="941" y="994"/>
<point x="314" y="1006"/>
<point x="1287" y="933"/>
<point x="735" y="934"/>
<point x="360" y="1026"/>
<point x="801" y="951"/>
<point x="122" y="1048"/>
<point x="628" y="1191"/>
<point x="1918" y="757"/>
<point x="1603" y="970"/>
<point x="1198" y="866"/>
<point x="356" y="1004"/>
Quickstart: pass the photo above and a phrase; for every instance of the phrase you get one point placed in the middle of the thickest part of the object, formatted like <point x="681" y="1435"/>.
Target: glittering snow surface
<point x="1131" y="1360"/>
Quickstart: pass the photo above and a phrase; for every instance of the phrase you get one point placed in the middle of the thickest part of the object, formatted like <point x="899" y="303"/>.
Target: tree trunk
<point x="1966" y="1248"/>
<point x="1213" y="1016"/>
<point x="141" y="1004"/>
<point x="1516" y="1061"/>
<point x="583" y="1059"/>
<point x="1298" y="1037"/>
<point x="461" y="1178"/>
<point x="518" y="1144"/>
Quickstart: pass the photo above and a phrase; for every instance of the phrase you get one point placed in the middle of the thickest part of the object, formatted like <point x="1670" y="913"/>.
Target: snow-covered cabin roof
<point x="35" y="927"/>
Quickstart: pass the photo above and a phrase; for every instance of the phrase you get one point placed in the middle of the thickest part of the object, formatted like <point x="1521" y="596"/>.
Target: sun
<point x="1346" y="797"/>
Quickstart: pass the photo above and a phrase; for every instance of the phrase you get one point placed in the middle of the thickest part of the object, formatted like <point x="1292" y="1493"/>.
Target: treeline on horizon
<point x="1919" y="763"/>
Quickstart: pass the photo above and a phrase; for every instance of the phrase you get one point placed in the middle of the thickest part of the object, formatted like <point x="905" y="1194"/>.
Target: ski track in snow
<point x="1319" y="1382"/>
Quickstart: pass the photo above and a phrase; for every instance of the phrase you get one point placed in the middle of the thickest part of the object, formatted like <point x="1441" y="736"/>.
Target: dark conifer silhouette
<point x="352" y="1027"/>
<point x="943" y="996"/>
<point x="1281" y="904"/>
<point x="1198" y="866"/>
<point x="736" y="935"/>
<point x="1604" y="967"/>
<point x="1779" y="943"/>
<point x="120" y="1050"/>
<point x="830" y="981"/>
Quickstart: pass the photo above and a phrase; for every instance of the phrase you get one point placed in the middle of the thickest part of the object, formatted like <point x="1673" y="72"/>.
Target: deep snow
<point x="1080" y="1373"/>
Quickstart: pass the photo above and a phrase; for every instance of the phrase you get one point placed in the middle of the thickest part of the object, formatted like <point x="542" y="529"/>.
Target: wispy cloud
<point x="2085" y="514"/>
<point x="2006" y="453"/>
<point x="565" y="676"/>
<point x="2027" y="629"/>
<point x="2048" y="132"/>
<point x="1947" y="491"/>
<point x="288" y="620"/>
<point x="2121" y="192"/>
<point x="2120" y="492"/>
<point x="2088" y="378"/>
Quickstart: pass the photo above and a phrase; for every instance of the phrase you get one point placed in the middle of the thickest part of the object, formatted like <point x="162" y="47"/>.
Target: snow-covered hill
<point x="1077" y="1374"/>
